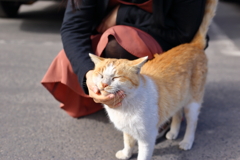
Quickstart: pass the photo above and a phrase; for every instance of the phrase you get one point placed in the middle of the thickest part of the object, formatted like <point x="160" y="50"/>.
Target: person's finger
<point x="117" y="100"/>
<point x="106" y="99"/>
<point x="111" y="96"/>
<point x="118" y="105"/>
<point x="99" y="98"/>
<point x="95" y="100"/>
<point x="111" y="100"/>
<point x="94" y="89"/>
<point x="121" y="95"/>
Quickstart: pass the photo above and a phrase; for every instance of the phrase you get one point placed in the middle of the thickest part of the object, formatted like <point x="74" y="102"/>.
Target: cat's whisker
<point x="115" y="93"/>
<point x="121" y="94"/>
<point x="125" y="103"/>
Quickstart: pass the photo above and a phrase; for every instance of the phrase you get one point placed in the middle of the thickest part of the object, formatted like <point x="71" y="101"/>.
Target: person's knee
<point x="115" y="50"/>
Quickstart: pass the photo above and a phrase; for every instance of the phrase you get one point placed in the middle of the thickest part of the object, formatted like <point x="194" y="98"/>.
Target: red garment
<point x="62" y="82"/>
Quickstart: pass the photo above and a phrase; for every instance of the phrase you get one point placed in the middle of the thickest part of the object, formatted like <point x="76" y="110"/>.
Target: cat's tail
<point x="200" y="38"/>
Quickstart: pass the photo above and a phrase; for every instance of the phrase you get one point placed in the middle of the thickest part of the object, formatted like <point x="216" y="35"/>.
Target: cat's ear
<point x="138" y="63"/>
<point x="95" y="58"/>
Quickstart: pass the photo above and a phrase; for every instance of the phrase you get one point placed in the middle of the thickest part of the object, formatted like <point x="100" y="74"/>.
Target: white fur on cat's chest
<point x="139" y="111"/>
<point x="125" y="120"/>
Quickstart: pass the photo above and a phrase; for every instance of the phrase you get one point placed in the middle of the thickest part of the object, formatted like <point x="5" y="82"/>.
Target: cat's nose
<point x="104" y="85"/>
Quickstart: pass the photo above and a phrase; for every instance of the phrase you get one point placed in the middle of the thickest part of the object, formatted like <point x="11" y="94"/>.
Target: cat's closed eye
<point x="114" y="78"/>
<point x="101" y="76"/>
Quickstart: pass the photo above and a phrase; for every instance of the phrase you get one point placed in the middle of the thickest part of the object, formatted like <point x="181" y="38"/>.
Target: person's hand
<point x="108" y="21"/>
<point x="111" y="100"/>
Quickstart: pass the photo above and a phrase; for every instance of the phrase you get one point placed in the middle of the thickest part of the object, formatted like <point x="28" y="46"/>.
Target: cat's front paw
<point x="122" y="155"/>
<point x="171" y="135"/>
<point x="185" y="145"/>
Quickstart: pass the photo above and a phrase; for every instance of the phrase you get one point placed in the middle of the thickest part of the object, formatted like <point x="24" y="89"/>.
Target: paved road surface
<point x="32" y="127"/>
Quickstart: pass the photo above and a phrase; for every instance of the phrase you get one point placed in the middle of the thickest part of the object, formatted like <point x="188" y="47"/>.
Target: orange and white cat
<point x="157" y="90"/>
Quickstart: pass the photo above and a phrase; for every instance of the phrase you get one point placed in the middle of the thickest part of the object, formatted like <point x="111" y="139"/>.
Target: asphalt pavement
<point x="33" y="127"/>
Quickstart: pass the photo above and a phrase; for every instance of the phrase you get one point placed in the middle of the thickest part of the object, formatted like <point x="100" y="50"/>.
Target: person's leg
<point x="115" y="50"/>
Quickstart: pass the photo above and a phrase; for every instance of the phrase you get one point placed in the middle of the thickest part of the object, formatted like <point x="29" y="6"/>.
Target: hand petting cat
<point x="112" y="100"/>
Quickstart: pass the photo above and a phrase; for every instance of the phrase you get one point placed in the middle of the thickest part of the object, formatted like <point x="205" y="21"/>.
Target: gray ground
<point x="32" y="127"/>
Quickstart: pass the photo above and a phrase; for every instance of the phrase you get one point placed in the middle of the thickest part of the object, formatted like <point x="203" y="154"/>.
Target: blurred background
<point x="32" y="127"/>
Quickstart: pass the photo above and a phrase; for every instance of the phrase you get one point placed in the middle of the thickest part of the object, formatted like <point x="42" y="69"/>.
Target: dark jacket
<point x="174" y="22"/>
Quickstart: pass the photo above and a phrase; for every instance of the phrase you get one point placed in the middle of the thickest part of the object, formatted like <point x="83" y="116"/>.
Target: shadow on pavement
<point x="100" y="116"/>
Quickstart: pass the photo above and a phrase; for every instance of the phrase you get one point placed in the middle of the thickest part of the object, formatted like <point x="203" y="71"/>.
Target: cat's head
<point x="112" y="75"/>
